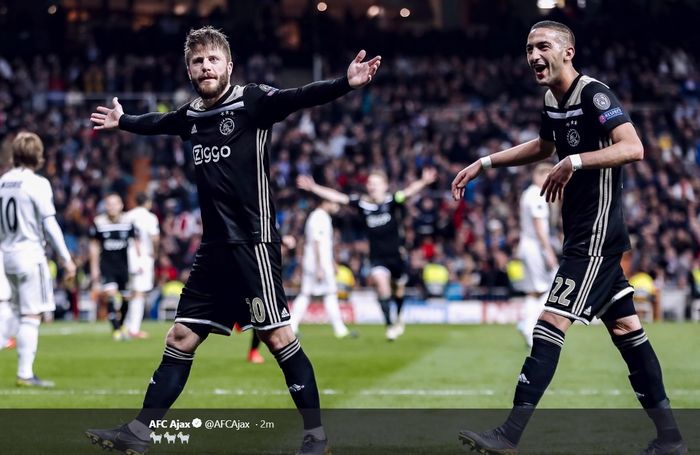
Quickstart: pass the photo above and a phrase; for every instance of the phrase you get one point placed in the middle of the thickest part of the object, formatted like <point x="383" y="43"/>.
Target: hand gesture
<point x="360" y="73"/>
<point x="557" y="179"/>
<point x="305" y="182"/>
<point x="429" y="175"/>
<point x="465" y="176"/>
<point x="69" y="270"/>
<point x="106" y="118"/>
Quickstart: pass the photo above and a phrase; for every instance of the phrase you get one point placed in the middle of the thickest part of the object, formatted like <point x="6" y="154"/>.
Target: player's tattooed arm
<point x="307" y="183"/>
<point x="267" y="105"/>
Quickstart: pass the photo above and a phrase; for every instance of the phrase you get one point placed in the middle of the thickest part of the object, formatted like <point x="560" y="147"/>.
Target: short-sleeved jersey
<point x="146" y="226"/>
<point x="230" y="147"/>
<point x="383" y="224"/>
<point x="592" y="215"/>
<point x="318" y="228"/>
<point x="532" y="206"/>
<point x="113" y="237"/>
<point x="25" y="200"/>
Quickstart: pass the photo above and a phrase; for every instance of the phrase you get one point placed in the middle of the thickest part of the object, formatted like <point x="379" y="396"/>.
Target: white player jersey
<point x="25" y="200"/>
<point x="5" y="290"/>
<point x="146" y="224"/>
<point x="532" y="206"/>
<point x="319" y="228"/>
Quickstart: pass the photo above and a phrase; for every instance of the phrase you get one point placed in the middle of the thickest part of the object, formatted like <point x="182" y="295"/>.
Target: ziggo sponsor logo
<point x="209" y="154"/>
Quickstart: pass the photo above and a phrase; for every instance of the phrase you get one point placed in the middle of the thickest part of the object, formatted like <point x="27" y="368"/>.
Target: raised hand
<point x="429" y="175"/>
<point x="305" y="182"/>
<point x="106" y="118"/>
<point x="360" y="73"/>
<point x="465" y="176"/>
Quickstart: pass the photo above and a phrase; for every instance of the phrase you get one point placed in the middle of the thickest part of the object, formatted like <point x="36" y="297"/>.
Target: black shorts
<point x="396" y="266"/>
<point x="585" y="287"/>
<point x="235" y="284"/>
<point x="115" y="278"/>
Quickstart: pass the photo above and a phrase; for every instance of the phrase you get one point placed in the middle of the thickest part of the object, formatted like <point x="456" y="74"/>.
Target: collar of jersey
<point x="198" y="104"/>
<point x="568" y="93"/>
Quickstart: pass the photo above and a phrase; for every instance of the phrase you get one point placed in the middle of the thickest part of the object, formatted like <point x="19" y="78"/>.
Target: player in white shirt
<point x="9" y="320"/>
<point x="535" y="251"/>
<point x="27" y="215"/>
<point x="141" y="268"/>
<point x="318" y="269"/>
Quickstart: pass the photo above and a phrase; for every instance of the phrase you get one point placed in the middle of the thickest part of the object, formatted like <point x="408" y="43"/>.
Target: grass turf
<point x="431" y="366"/>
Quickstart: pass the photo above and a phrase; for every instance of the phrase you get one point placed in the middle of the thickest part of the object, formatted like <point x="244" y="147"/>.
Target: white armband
<point x="576" y="162"/>
<point x="486" y="162"/>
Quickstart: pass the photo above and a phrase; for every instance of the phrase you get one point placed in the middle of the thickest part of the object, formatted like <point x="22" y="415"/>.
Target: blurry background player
<point x="318" y="269"/>
<point x="9" y="320"/>
<point x="382" y="213"/>
<point x="109" y="264"/>
<point x="535" y="251"/>
<point x="27" y="216"/>
<point x="141" y="266"/>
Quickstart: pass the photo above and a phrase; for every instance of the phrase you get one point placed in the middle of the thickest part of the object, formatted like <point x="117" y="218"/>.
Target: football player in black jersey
<point x="588" y="127"/>
<point x="236" y="275"/>
<point x="382" y="213"/>
<point x="109" y="264"/>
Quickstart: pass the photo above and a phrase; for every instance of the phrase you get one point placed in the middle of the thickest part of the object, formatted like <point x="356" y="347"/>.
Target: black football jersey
<point x="113" y="237"/>
<point x="383" y="224"/>
<point x="592" y="216"/>
<point x="230" y="146"/>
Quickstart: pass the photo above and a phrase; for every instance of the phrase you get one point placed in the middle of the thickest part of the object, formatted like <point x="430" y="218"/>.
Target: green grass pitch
<point x="431" y="366"/>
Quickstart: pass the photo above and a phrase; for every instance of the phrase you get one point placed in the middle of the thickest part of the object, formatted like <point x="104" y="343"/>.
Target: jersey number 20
<point x="8" y="215"/>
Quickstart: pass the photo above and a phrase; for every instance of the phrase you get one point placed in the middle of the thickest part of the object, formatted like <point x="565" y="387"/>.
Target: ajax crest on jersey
<point x="572" y="137"/>
<point x="226" y="126"/>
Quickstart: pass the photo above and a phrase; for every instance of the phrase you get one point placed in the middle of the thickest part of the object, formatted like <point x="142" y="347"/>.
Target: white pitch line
<point x="364" y="392"/>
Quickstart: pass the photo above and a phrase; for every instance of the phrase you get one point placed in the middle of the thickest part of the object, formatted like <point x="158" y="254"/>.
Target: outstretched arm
<point x="267" y="105"/>
<point x="528" y="152"/>
<point x="152" y="123"/>
<point x="428" y="176"/>
<point x="307" y="183"/>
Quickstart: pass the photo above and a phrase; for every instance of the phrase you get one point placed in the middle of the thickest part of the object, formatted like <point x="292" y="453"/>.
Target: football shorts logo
<point x="601" y="101"/>
<point x="573" y="138"/>
<point x="226" y="126"/>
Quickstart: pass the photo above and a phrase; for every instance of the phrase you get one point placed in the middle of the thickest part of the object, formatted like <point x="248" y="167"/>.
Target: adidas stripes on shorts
<point x="586" y="287"/>
<point x="235" y="283"/>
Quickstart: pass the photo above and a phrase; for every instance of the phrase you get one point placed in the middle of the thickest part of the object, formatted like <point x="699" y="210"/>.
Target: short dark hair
<point x="559" y="27"/>
<point x="28" y="150"/>
<point x="207" y="37"/>
<point x="142" y="198"/>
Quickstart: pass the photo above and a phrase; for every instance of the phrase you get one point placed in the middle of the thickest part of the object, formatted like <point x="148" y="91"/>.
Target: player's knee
<point x="183" y="338"/>
<point x="560" y="322"/>
<point x="277" y="338"/>
<point x="623" y="326"/>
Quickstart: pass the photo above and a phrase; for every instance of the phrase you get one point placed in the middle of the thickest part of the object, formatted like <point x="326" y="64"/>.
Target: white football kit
<point x="533" y="206"/>
<point x="142" y="267"/>
<point x="318" y="228"/>
<point x="26" y="213"/>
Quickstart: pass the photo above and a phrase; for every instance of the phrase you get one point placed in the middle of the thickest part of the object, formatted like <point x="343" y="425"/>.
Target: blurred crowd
<point x="436" y="111"/>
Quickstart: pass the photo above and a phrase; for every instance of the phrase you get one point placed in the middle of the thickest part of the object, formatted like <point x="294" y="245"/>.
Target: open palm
<point x="360" y="73"/>
<point x="106" y="118"/>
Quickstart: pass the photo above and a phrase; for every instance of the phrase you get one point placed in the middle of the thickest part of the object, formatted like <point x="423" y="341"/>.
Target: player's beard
<point x="212" y="92"/>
